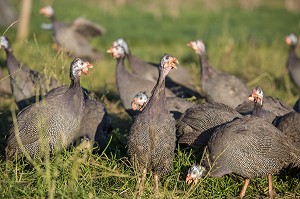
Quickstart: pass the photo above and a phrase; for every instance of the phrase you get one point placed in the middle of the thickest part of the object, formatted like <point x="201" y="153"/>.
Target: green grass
<point x="245" y="42"/>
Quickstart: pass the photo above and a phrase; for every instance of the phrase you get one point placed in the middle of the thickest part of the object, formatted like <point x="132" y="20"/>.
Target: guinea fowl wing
<point x="87" y="28"/>
<point x="197" y="124"/>
<point x="33" y="121"/>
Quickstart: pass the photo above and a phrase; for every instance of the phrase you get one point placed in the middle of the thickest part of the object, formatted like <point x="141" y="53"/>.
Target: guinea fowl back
<point x="197" y="124"/>
<point x="259" y="147"/>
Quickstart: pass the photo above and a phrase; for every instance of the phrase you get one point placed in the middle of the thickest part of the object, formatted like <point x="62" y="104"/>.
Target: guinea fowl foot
<point x="243" y="191"/>
<point x="156" y="191"/>
<point x="140" y="184"/>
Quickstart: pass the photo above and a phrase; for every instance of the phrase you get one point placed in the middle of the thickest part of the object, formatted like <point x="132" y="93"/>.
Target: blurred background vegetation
<point x="243" y="37"/>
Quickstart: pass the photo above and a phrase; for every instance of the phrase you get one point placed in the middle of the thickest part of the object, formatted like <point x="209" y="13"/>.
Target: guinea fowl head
<point x="78" y="66"/>
<point x="121" y="42"/>
<point x="291" y="40"/>
<point x="198" y="46"/>
<point x="4" y="42"/>
<point x="117" y="51"/>
<point x="167" y="63"/>
<point x="47" y="11"/>
<point x="195" y="172"/>
<point x="139" y="101"/>
<point x="257" y="95"/>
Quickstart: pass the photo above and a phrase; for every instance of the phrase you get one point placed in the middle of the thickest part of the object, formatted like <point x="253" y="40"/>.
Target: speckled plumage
<point x="250" y="147"/>
<point x="289" y="125"/>
<point x="51" y="124"/>
<point x="197" y="123"/>
<point x="152" y="137"/>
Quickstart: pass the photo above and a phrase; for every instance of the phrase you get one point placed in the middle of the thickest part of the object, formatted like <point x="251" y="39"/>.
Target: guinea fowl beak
<point x="86" y="68"/>
<point x="189" y="179"/>
<point x="134" y="105"/>
<point x="43" y="12"/>
<point x="288" y="41"/>
<point x="110" y="50"/>
<point x="174" y="61"/>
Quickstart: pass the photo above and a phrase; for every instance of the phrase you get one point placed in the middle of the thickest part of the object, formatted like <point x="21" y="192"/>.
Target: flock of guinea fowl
<point x="247" y="135"/>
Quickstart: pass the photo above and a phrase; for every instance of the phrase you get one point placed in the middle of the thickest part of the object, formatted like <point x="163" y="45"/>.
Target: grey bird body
<point x="51" y="124"/>
<point x="215" y="82"/>
<point x="26" y="84"/>
<point x="151" y="142"/>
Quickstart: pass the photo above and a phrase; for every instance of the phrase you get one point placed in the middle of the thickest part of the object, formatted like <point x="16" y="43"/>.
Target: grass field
<point x="244" y="39"/>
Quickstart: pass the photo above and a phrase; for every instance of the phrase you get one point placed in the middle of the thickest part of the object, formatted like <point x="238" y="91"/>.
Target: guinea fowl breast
<point x="74" y="38"/>
<point x="293" y="62"/>
<point x="51" y="124"/>
<point x="26" y="84"/>
<point x="214" y="82"/>
<point x="151" y="141"/>
<point x="129" y="84"/>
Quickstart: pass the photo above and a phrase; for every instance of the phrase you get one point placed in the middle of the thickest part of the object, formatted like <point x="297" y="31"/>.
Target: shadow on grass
<point x="5" y="123"/>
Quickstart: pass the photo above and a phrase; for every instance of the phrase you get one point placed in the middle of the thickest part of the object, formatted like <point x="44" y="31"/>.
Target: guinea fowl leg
<point x="243" y="191"/>
<point x="271" y="194"/>
<point x="141" y="183"/>
<point x="156" y="191"/>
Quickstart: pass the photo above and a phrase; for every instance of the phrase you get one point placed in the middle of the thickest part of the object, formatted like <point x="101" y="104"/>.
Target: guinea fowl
<point x="179" y="82"/>
<point x="175" y="105"/>
<point x="74" y="38"/>
<point x="293" y="62"/>
<point x="197" y="124"/>
<point x="26" y="84"/>
<point x="272" y="108"/>
<point x="249" y="147"/>
<point x="51" y="124"/>
<point x="213" y="81"/>
<point x="152" y="137"/>
<point x="129" y="84"/>
<point x="95" y="123"/>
